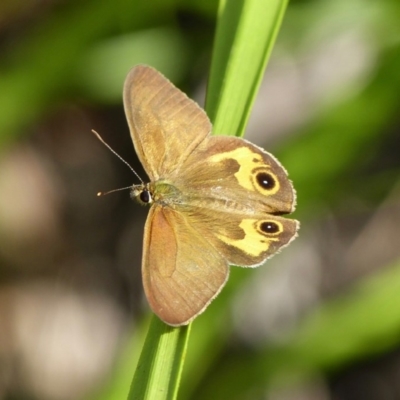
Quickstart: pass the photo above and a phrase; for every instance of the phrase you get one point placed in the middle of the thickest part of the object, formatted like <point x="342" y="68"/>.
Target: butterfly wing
<point x="231" y="171"/>
<point x="235" y="195"/>
<point x="243" y="239"/>
<point x="182" y="272"/>
<point x="165" y="125"/>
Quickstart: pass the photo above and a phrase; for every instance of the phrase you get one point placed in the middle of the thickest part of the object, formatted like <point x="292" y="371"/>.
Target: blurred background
<point x="321" y="321"/>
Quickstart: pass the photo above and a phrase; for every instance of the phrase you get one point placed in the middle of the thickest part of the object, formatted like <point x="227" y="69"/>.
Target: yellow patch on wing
<point x="251" y="164"/>
<point x="255" y="241"/>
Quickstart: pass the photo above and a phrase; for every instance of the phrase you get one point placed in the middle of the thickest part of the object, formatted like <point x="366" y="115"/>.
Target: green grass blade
<point x="160" y="365"/>
<point x="245" y="36"/>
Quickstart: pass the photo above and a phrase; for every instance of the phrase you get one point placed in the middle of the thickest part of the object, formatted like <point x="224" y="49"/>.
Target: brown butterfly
<point x="215" y="200"/>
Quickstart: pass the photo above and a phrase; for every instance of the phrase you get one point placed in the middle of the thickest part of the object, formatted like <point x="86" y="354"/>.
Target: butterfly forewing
<point x="182" y="272"/>
<point x="165" y="125"/>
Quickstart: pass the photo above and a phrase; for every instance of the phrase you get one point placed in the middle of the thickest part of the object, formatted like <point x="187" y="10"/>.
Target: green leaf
<point x="246" y="33"/>
<point x="159" y="369"/>
<point x="245" y="36"/>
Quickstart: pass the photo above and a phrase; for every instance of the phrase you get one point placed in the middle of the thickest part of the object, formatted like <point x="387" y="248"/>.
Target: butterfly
<point x="215" y="200"/>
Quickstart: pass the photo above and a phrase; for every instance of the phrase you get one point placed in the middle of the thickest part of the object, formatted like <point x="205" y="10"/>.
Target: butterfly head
<point x="142" y="193"/>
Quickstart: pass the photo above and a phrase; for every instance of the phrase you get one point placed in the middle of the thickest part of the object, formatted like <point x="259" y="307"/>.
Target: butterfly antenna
<point x="112" y="191"/>
<point x="116" y="154"/>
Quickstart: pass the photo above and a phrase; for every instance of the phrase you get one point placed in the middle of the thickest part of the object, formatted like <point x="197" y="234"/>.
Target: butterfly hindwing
<point x="236" y="174"/>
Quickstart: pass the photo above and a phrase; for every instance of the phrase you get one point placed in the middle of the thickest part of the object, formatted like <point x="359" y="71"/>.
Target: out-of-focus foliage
<point x="320" y="320"/>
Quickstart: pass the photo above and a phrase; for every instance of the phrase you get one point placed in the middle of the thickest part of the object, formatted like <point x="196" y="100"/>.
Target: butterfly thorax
<point x="166" y="194"/>
<point x="160" y="192"/>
